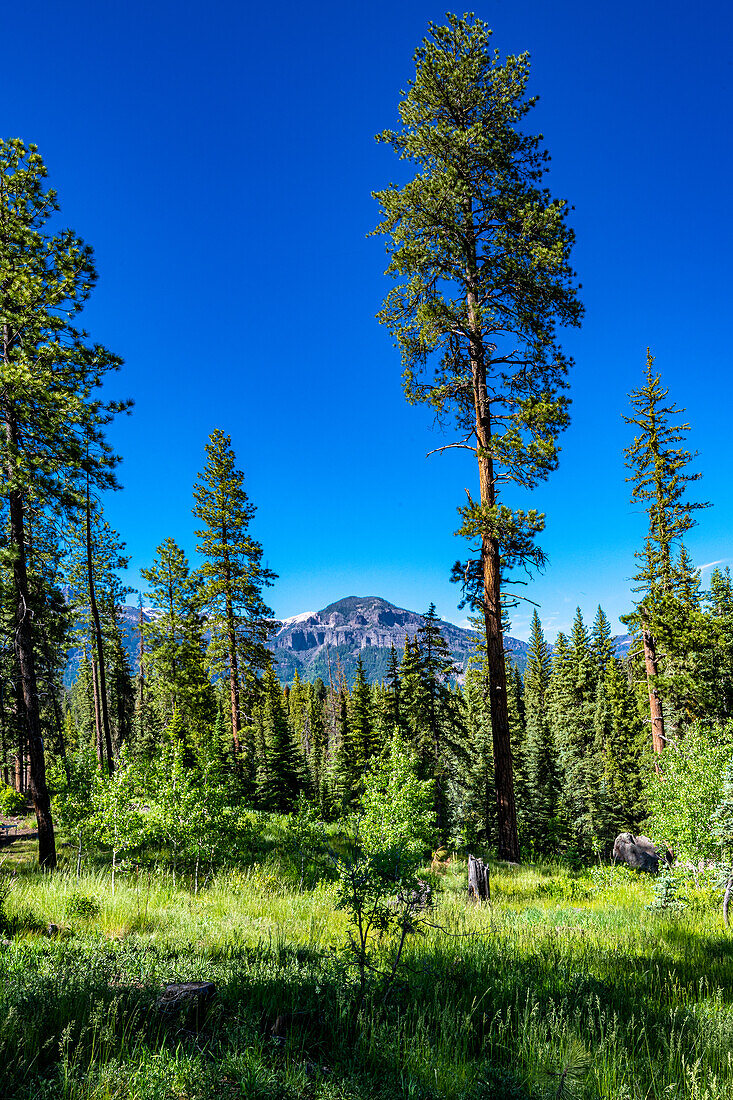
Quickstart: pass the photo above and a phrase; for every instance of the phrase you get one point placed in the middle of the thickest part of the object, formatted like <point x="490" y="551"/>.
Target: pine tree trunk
<point x="25" y="652"/>
<point x="58" y="720"/>
<point x="233" y="670"/>
<point x="97" y="721"/>
<point x="141" y="664"/>
<point x="103" y="708"/>
<point x="20" y="755"/>
<point x="508" y="845"/>
<point x="655" y="703"/>
<point x="3" y="741"/>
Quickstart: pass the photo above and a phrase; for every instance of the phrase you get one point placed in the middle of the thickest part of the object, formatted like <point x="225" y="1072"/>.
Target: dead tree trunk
<point x="655" y="703"/>
<point x="478" y="880"/>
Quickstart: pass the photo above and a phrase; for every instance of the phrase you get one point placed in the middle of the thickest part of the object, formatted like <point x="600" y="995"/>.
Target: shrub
<point x="81" y="905"/>
<point x="11" y="802"/>
<point x="683" y="799"/>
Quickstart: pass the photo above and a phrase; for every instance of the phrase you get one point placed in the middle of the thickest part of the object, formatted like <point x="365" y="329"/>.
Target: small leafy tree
<point x="378" y="888"/>
<point x="723" y="831"/>
<point x="77" y="802"/>
<point x="304" y="840"/>
<point x="682" y="801"/>
<point x="117" y="820"/>
<point x="187" y="808"/>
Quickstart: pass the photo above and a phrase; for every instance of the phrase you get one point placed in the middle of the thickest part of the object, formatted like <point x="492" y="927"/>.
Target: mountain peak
<point x="350" y="605"/>
<point x="335" y="638"/>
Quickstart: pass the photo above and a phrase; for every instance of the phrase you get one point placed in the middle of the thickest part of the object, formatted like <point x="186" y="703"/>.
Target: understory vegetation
<point x="567" y="984"/>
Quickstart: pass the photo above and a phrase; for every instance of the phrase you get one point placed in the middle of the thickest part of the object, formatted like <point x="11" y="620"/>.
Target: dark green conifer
<point x="601" y="641"/>
<point x="622" y="750"/>
<point x="361" y="718"/>
<point x="175" y="645"/>
<point x="347" y="770"/>
<point x="659" y="464"/>
<point x="543" y="780"/>
<point x="281" y="775"/>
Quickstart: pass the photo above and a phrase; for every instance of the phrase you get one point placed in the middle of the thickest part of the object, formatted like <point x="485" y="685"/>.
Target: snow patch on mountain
<point x="292" y="619"/>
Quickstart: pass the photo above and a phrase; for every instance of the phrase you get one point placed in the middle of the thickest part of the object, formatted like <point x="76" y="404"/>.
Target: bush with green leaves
<point x="683" y="797"/>
<point x="75" y="804"/>
<point x="378" y="887"/>
<point x="82" y="905"/>
<point x="12" y="803"/>
<point x="188" y="812"/>
<point x="667" y="897"/>
<point x="303" y="843"/>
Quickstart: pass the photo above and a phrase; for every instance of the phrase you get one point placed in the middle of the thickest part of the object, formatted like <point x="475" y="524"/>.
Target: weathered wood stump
<point x="188" y="999"/>
<point x="478" y="880"/>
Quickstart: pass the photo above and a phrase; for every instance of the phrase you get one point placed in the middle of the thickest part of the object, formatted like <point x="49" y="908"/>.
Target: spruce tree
<point x="362" y="718"/>
<point x="174" y="640"/>
<point x="481" y="253"/>
<point x="719" y="606"/>
<point x="443" y="732"/>
<point x="413" y="698"/>
<point x="575" y="735"/>
<point x="393" y="698"/>
<point x="660" y="476"/>
<point x="621" y="748"/>
<point x="601" y="640"/>
<point x="347" y="766"/>
<point x="232" y="573"/>
<point x="282" y="771"/>
<point x="474" y="789"/>
<point x="318" y="756"/>
<point x="543" y="780"/>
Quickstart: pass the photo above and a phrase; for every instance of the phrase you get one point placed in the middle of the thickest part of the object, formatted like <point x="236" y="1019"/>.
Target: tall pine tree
<point x="52" y="416"/>
<point x="481" y="253"/>
<point x="233" y="574"/>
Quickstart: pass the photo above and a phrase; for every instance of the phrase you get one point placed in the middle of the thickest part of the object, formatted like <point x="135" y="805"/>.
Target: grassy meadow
<point x="566" y="985"/>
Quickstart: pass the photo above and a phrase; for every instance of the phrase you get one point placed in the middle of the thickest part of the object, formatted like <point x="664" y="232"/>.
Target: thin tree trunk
<point x="508" y="846"/>
<point x="3" y="739"/>
<point x="104" y="712"/>
<point x="61" y="740"/>
<point x="141" y="663"/>
<point x="24" y="646"/>
<point x="97" y="721"/>
<point x="655" y="703"/>
<point x="233" y="669"/>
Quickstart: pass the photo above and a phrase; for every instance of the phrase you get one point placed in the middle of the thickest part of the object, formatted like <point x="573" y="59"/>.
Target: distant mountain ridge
<point x="356" y="625"/>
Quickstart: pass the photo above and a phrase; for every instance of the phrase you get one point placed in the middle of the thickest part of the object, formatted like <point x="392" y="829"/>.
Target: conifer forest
<point x="481" y="879"/>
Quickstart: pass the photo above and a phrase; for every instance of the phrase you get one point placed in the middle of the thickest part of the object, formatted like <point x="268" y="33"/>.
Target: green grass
<point x="561" y="971"/>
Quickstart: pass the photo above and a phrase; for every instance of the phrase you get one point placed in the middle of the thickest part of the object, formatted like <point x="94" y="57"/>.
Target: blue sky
<point x="220" y="159"/>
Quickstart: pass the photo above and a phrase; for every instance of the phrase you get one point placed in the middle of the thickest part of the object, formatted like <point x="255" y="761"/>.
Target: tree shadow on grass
<point x="83" y="1011"/>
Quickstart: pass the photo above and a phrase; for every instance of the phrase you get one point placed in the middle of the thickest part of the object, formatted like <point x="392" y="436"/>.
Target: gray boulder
<point x="637" y="852"/>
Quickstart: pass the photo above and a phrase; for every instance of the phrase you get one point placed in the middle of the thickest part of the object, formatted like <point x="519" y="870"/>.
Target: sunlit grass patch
<point x="493" y="1000"/>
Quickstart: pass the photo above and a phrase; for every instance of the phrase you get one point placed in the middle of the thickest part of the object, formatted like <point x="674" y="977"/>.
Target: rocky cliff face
<point x="361" y="625"/>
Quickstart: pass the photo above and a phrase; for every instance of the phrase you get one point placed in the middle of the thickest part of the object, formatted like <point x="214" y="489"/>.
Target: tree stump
<point x="478" y="880"/>
<point x="187" y="1001"/>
